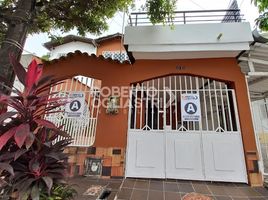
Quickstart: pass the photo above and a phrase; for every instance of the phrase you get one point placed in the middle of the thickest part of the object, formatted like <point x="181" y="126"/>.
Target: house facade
<point x="107" y="46"/>
<point x="181" y="101"/>
<point x="254" y="64"/>
<point x="70" y="43"/>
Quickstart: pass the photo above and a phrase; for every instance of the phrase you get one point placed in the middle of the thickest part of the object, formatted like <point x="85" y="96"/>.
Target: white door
<point x="162" y="145"/>
<point x="223" y="157"/>
<point x="183" y="156"/>
<point x="145" y="155"/>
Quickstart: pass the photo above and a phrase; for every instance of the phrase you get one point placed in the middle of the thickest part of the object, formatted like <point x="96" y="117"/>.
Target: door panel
<point x="161" y="144"/>
<point x="145" y="155"/>
<point x="223" y="157"/>
<point x="183" y="158"/>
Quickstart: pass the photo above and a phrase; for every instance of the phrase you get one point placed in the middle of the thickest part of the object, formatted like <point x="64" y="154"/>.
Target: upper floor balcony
<point x="191" y="34"/>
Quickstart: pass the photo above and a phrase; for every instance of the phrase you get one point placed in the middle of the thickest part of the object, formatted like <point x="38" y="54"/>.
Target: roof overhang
<point x="206" y="40"/>
<point x="74" y="38"/>
<point x="254" y="63"/>
<point x="67" y="39"/>
<point x="108" y="37"/>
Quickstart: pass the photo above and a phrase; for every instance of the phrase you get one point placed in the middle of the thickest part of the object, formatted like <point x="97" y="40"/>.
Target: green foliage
<point x="46" y="57"/>
<point x="59" y="192"/>
<point x="30" y="159"/>
<point x="262" y="21"/>
<point x="3" y="29"/>
<point x="2" y="36"/>
<point x="261" y="4"/>
<point x="161" y="11"/>
<point x="86" y="16"/>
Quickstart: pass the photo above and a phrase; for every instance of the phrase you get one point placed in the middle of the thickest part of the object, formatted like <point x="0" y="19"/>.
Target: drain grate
<point x="104" y="194"/>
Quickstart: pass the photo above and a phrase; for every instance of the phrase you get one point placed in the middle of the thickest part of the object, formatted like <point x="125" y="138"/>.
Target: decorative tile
<point x="71" y="159"/>
<point x="76" y="170"/>
<point x="101" y="151"/>
<point x="81" y="169"/>
<point x="72" y="150"/>
<point x="80" y="159"/>
<point x="93" y="166"/>
<point x="91" y="150"/>
<point x="107" y="161"/>
<point x="109" y="152"/>
<point x="116" y="160"/>
<point x="106" y="171"/>
<point x="82" y="150"/>
<point x="116" y="151"/>
<point x="117" y="171"/>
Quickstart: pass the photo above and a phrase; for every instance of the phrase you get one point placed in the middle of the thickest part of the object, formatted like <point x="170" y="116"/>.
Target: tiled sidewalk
<point x="136" y="189"/>
<point x="144" y="189"/>
<point x="81" y="184"/>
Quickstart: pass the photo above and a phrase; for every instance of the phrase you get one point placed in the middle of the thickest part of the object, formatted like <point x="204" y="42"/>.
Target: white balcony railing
<point x="190" y="17"/>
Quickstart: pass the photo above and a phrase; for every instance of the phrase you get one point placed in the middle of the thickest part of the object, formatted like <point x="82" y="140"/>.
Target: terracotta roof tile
<point x="70" y="55"/>
<point x="69" y="38"/>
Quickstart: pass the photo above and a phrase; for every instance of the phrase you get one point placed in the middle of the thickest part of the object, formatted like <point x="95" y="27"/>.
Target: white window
<point x="116" y="55"/>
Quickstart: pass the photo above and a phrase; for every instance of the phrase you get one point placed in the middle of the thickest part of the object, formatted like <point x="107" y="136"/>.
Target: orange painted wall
<point x="75" y="85"/>
<point x="114" y="44"/>
<point x="112" y="129"/>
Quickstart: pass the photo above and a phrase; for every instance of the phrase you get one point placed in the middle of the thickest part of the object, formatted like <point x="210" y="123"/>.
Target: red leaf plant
<point x="31" y="160"/>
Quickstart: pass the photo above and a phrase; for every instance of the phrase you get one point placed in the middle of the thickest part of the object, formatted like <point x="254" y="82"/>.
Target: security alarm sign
<point x="75" y="106"/>
<point x="190" y="107"/>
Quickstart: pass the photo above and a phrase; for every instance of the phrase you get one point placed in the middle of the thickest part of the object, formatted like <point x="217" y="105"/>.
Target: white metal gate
<point x="81" y="129"/>
<point x="162" y="145"/>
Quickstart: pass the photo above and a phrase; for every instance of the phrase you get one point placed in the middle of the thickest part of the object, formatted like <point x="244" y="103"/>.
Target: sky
<point x="34" y="43"/>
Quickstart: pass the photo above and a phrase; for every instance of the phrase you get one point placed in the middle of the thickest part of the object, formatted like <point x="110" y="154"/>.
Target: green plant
<point x="161" y="11"/>
<point x="262" y="20"/>
<point x="31" y="160"/>
<point x="59" y="192"/>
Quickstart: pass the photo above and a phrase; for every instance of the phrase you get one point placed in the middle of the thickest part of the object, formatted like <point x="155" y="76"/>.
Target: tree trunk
<point x="15" y="37"/>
